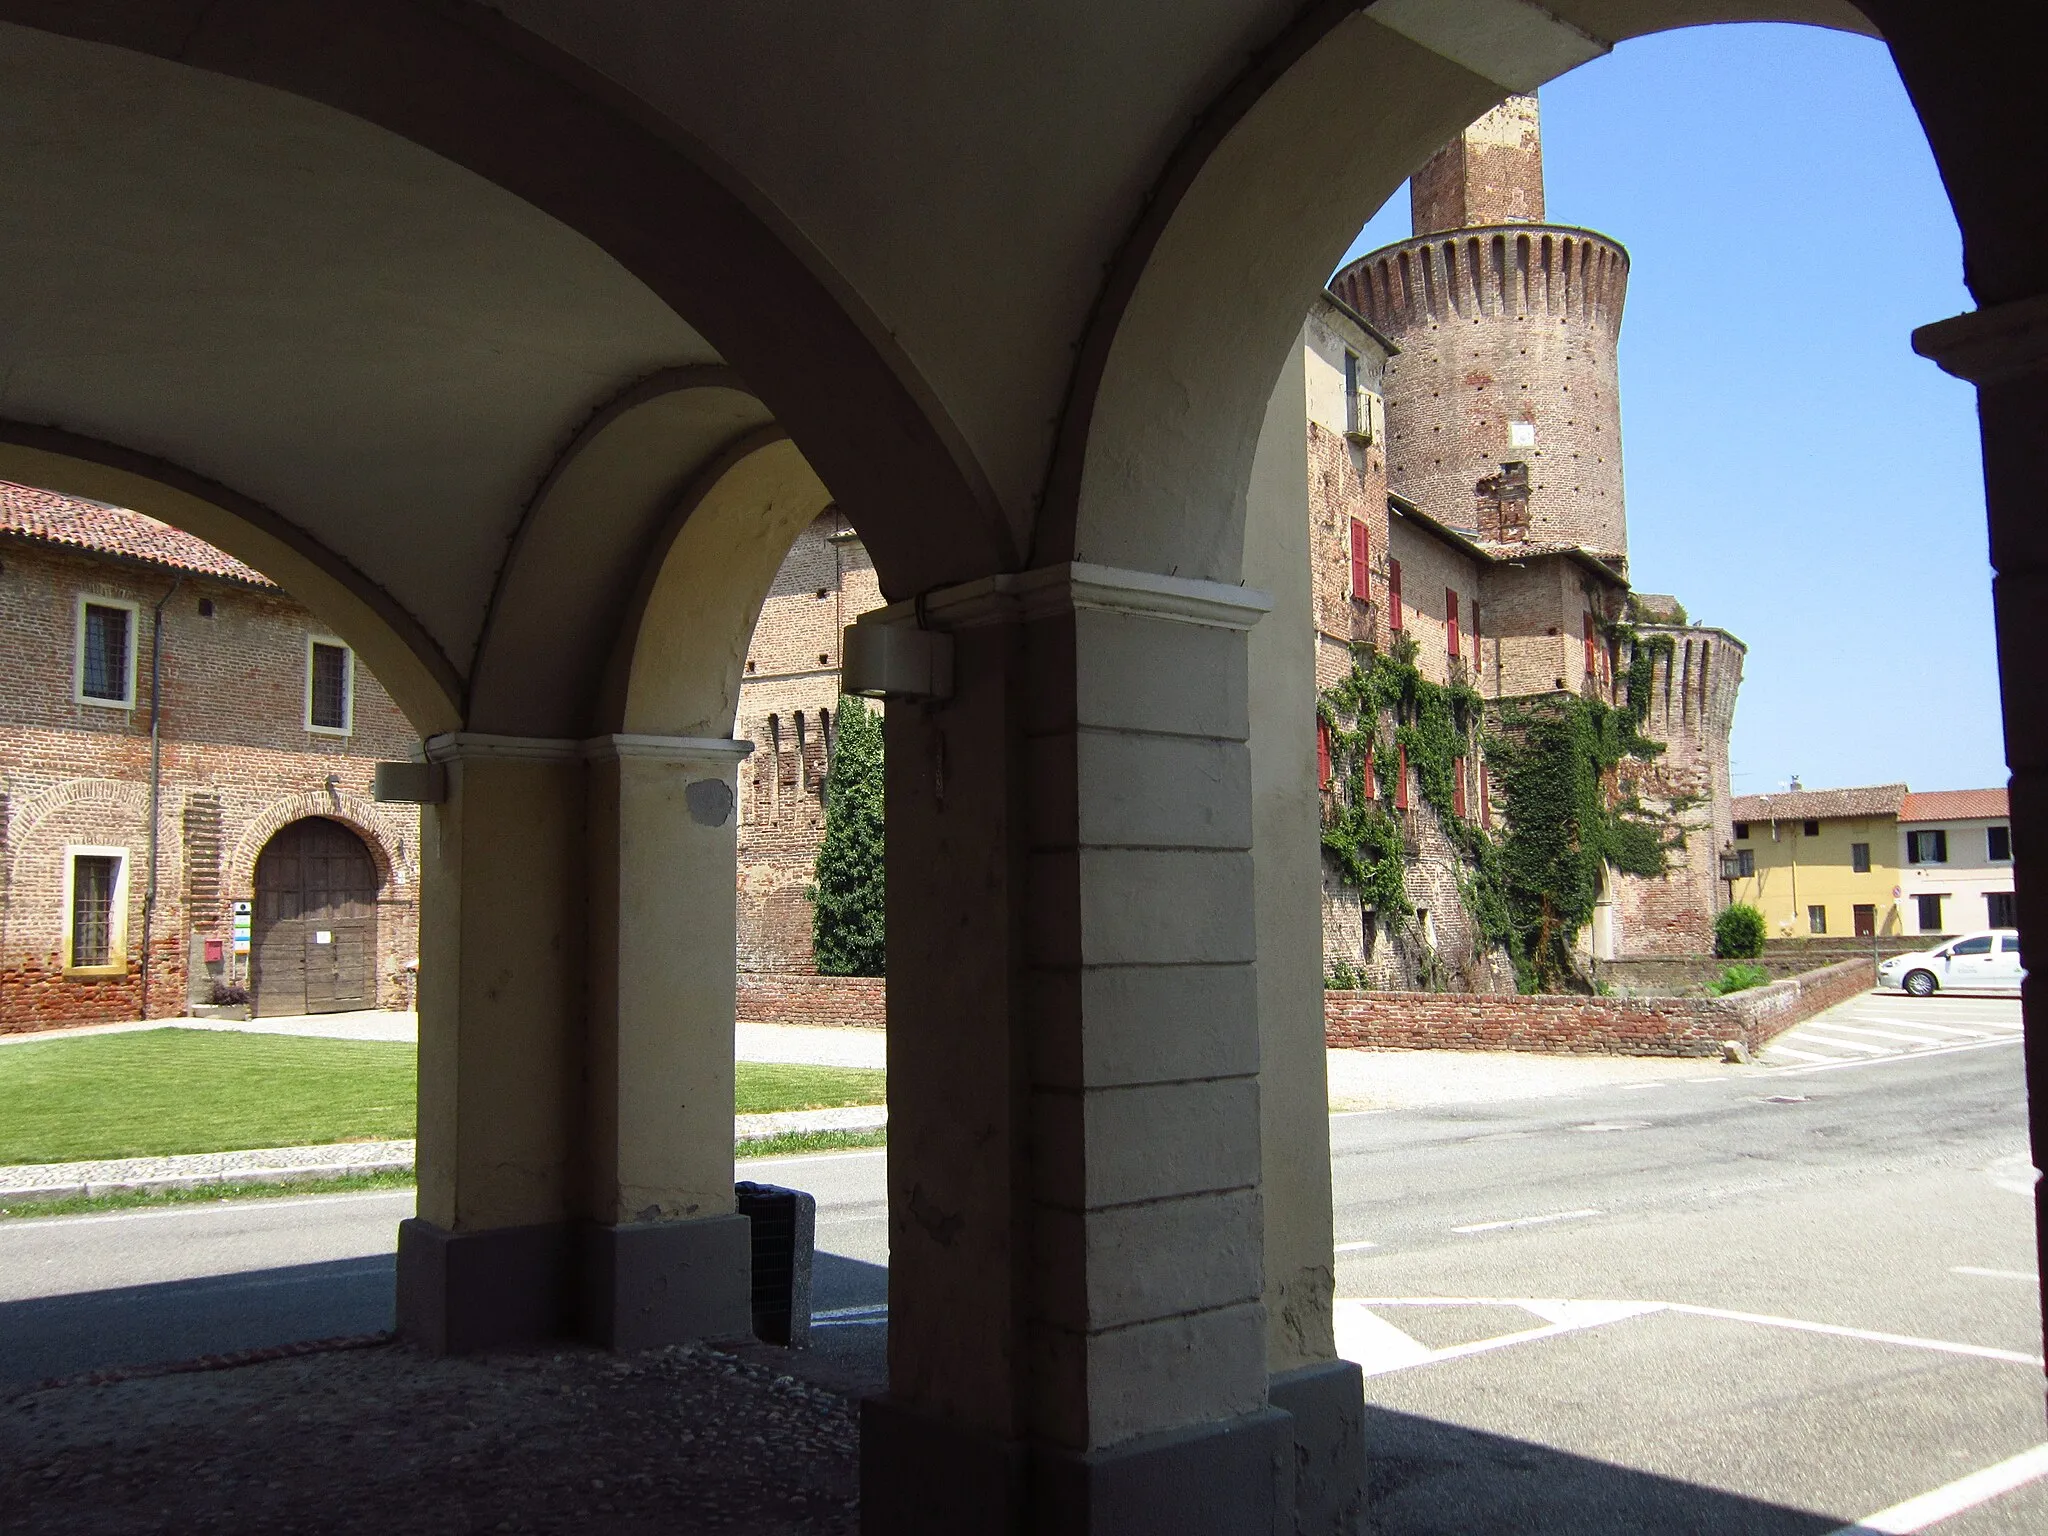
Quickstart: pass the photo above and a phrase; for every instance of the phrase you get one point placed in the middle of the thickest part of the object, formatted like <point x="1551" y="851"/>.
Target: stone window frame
<point x="134" y="611"/>
<point x="117" y="916"/>
<point x="348" y="687"/>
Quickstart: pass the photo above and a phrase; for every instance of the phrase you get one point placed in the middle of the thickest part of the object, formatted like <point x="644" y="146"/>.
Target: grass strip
<point x="142" y="1199"/>
<point x="792" y="1142"/>
<point x="766" y="1087"/>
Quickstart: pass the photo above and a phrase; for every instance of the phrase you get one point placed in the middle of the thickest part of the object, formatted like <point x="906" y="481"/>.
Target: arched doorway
<point x="313" y="940"/>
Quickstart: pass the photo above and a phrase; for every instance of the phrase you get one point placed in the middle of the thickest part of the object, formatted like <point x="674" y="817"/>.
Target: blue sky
<point x="1794" y="472"/>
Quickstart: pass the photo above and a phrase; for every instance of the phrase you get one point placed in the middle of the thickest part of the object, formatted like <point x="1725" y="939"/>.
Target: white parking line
<point x="1953" y="1498"/>
<point x="1526" y="1221"/>
<point x="1884" y="1034"/>
<point x="1819" y="1037"/>
<point x="1786" y="1050"/>
<point x="1836" y="1330"/>
<point x="1882" y="1061"/>
<point x="1354" y="1247"/>
<point x="1997" y="1274"/>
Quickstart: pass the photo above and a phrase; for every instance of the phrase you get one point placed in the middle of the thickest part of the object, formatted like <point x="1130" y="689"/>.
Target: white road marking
<point x="1786" y="1050"/>
<point x="1354" y="1247"/>
<point x="1882" y="1061"/>
<point x="1953" y="1498"/>
<point x="1819" y="1037"/>
<point x="1526" y="1221"/>
<point x="1996" y="1274"/>
<point x="1884" y="1034"/>
<point x="1383" y="1348"/>
<point x="207" y="1208"/>
<point x="817" y="1157"/>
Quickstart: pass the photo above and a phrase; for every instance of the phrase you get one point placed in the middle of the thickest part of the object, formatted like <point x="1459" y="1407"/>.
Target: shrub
<point x="1739" y="932"/>
<point x="847" y="896"/>
<point x="227" y="994"/>
<point x="1738" y="978"/>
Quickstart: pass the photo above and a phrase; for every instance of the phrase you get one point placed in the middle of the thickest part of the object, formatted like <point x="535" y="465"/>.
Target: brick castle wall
<point x="237" y="765"/>
<point x="836" y="1001"/>
<point x="1660" y="1026"/>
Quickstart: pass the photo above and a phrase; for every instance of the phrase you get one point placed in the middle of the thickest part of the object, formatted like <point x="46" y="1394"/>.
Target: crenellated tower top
<point x="1492" y="173"/>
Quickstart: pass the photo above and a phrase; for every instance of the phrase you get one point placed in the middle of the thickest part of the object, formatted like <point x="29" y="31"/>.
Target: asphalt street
<point x="1722" y="1300"/>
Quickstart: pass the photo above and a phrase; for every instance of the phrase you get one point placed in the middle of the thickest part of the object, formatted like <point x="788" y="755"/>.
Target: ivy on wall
<point x="1554" y="759"/>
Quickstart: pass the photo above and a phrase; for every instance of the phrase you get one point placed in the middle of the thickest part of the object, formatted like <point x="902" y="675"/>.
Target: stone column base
<point x="635" y="1286"/>
<point x="465" y="1291"/>
<point x="1327" y="1402"/>
<point x="923" y="1476"/>
<point x="648" y="1283"/>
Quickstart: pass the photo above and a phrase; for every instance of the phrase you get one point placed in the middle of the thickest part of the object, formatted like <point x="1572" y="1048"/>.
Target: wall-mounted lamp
<point x="896" y="661"/>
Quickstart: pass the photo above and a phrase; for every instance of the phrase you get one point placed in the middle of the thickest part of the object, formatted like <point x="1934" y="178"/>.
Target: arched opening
<point x="313" y="941"/>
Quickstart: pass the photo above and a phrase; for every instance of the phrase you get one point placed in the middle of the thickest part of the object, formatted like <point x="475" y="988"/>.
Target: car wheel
<point x="1920" y="983"/>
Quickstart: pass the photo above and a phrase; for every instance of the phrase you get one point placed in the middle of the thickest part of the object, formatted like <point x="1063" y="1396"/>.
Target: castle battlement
<point x="1514" y="271"/>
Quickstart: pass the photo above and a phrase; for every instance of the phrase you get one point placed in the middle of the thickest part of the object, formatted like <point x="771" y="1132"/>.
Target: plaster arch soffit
<point x="1249" y="214"/>
<point x="683" y="643"/>
<point x="596" y="522"/>
<point x="465" y="82"/>
<point x="390" y="641"/>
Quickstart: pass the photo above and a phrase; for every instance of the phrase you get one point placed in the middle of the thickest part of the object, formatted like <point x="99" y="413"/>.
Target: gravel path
<point x="383" y="1440"/>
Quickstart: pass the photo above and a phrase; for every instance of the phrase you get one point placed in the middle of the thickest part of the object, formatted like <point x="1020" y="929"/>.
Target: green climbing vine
<point x="1569" y="812"/>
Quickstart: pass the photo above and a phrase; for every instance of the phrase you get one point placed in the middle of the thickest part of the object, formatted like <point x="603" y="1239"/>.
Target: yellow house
<point x="1820" y="862"/>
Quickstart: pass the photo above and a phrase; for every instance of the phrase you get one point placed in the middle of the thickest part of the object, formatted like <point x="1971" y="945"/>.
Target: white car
<point x="1977" y="962"/>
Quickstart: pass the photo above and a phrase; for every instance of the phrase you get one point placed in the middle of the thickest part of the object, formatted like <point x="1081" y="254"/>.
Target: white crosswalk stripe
<point x="1881" y="1024"/>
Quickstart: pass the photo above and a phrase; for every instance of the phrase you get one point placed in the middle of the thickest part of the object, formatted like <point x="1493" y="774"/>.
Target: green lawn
<point x="164" y="1091"/>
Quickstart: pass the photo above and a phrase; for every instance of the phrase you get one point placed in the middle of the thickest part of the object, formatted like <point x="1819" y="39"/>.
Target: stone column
<point x="663" y="1256"/>
<point x="1077" y="1335"/>
<point x="2003" y="350"/>
<point x="501" y="1004"/>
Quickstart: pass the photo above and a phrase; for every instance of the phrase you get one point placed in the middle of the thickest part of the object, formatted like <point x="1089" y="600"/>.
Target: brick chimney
<point x="1492" y="173"/>
<point x="1504" y="505"/>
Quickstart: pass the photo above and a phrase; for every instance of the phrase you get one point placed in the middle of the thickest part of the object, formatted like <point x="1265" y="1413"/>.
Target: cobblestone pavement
<point x="383" y="1440"/>
<point x="192" y="1169"/>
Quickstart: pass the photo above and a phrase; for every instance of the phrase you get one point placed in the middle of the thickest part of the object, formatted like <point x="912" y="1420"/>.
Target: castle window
<point x="1472" y="629"/>
<point x="1592" y="650"/>
<point x="106" y="652"/>
<point x="1322" y="754"/>
<point x="95" y="910"/>
<point x="1401" y="780"/>
<point x="1354" y="416"/>
<point x="1458" y="787"/>
<point x="330" y="687"/>
<point x="1451" y="623"/>
<point x="1361" y="560"/>
<point x="1372" y="778"/>
<point x="1394" y="595"/>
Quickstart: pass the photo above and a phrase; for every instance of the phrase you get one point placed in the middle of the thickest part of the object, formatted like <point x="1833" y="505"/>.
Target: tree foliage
<point x="847" y="935"/>
<point x="1739" y="932"/>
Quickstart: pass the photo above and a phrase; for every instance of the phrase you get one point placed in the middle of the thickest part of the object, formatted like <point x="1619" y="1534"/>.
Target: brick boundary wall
<point x="1643" y="1026"/>
<point x="858" y="1002"/>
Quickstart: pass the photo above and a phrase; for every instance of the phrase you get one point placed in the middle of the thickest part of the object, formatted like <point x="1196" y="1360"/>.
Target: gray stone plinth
<point x="465" y="1291"/>
<point x="1327" y="1402"/>
<point x="641" y="1285"/>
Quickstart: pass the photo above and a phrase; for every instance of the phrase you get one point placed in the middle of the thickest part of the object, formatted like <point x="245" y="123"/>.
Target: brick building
<point x="185" y="768"/>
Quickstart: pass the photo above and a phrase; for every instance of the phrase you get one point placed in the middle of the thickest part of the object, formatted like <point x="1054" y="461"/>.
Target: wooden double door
<point x="313" y="932"/>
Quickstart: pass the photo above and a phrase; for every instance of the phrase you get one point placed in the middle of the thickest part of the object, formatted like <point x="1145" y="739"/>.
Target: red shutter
<point x="1322" y="754"/>
<point x="1592" y="653"/>
<point x="1372" y="779"/>
<point x="1361" y="560"/>
<point x="1401" y="784"/>
<point x="1451" y="621"/>
<point x="1485" y="796"/>
<point x="1458" y="787"/>
<point x="1394" y="595"/>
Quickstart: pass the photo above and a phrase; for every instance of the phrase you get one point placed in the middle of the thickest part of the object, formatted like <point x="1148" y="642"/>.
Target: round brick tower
<point x="1507" y="328"/>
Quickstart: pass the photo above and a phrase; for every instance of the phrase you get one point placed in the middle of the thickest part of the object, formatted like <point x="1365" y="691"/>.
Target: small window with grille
<point x="95" y="937"/>
<point x="330" y="687"/>
<point x="106" y="652"/>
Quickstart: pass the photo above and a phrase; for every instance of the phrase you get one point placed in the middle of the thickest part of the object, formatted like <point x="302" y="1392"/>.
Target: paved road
<point x="1893" y="1024"/>
<point x="1590" y="1313"/>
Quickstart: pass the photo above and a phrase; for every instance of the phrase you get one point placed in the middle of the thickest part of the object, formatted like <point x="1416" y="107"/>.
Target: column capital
<point x="1074" y="587"/>
<point x="1990" y="346"/>
<point x="473" y="746"/>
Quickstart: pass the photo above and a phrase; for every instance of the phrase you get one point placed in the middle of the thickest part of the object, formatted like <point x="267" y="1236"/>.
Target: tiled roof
<point x="105" y="530"/>
<point x="1821" y="804"/>
<point x="1955" y="805"/>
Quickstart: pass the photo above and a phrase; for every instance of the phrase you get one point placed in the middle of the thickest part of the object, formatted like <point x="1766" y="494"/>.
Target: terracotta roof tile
<point x="1955" y="805"/>
<point x="91" y="525"/>
<point x="1821" y="804"/>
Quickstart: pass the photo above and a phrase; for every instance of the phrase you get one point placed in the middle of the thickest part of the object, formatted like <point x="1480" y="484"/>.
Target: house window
<point x="1998" y="844"/>
<point x="1859" y="858"/>
<point x="95" y="910"/>
<point x="1745" y="863"/>
<point x="1742" y="831"/>
<point x="1865" y="915"/>
<point x="1927" y="847"/>
<point x="1472" y="629"/>
<point x="1354" y="404"/>
<point x="1451" y="622"/>
<point x="330" y="687"/>
<point x="1592" y="651"/>
<point x="1816" y="919"/>
<point x="1485" y="796"/>
<point x="1930" y="913"/>
<point x="1361" y="560"/>
<point x="1810" y="828"/>
<point x="1394" y="595"/>
<point x="106" y="652"/>
<point x="1322" y="754"/>
<point x="1401" y="782"/>
<point x="1458" y="787"/>
<point x="1372" y="778"/>
<point x="2000" y="910"/>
